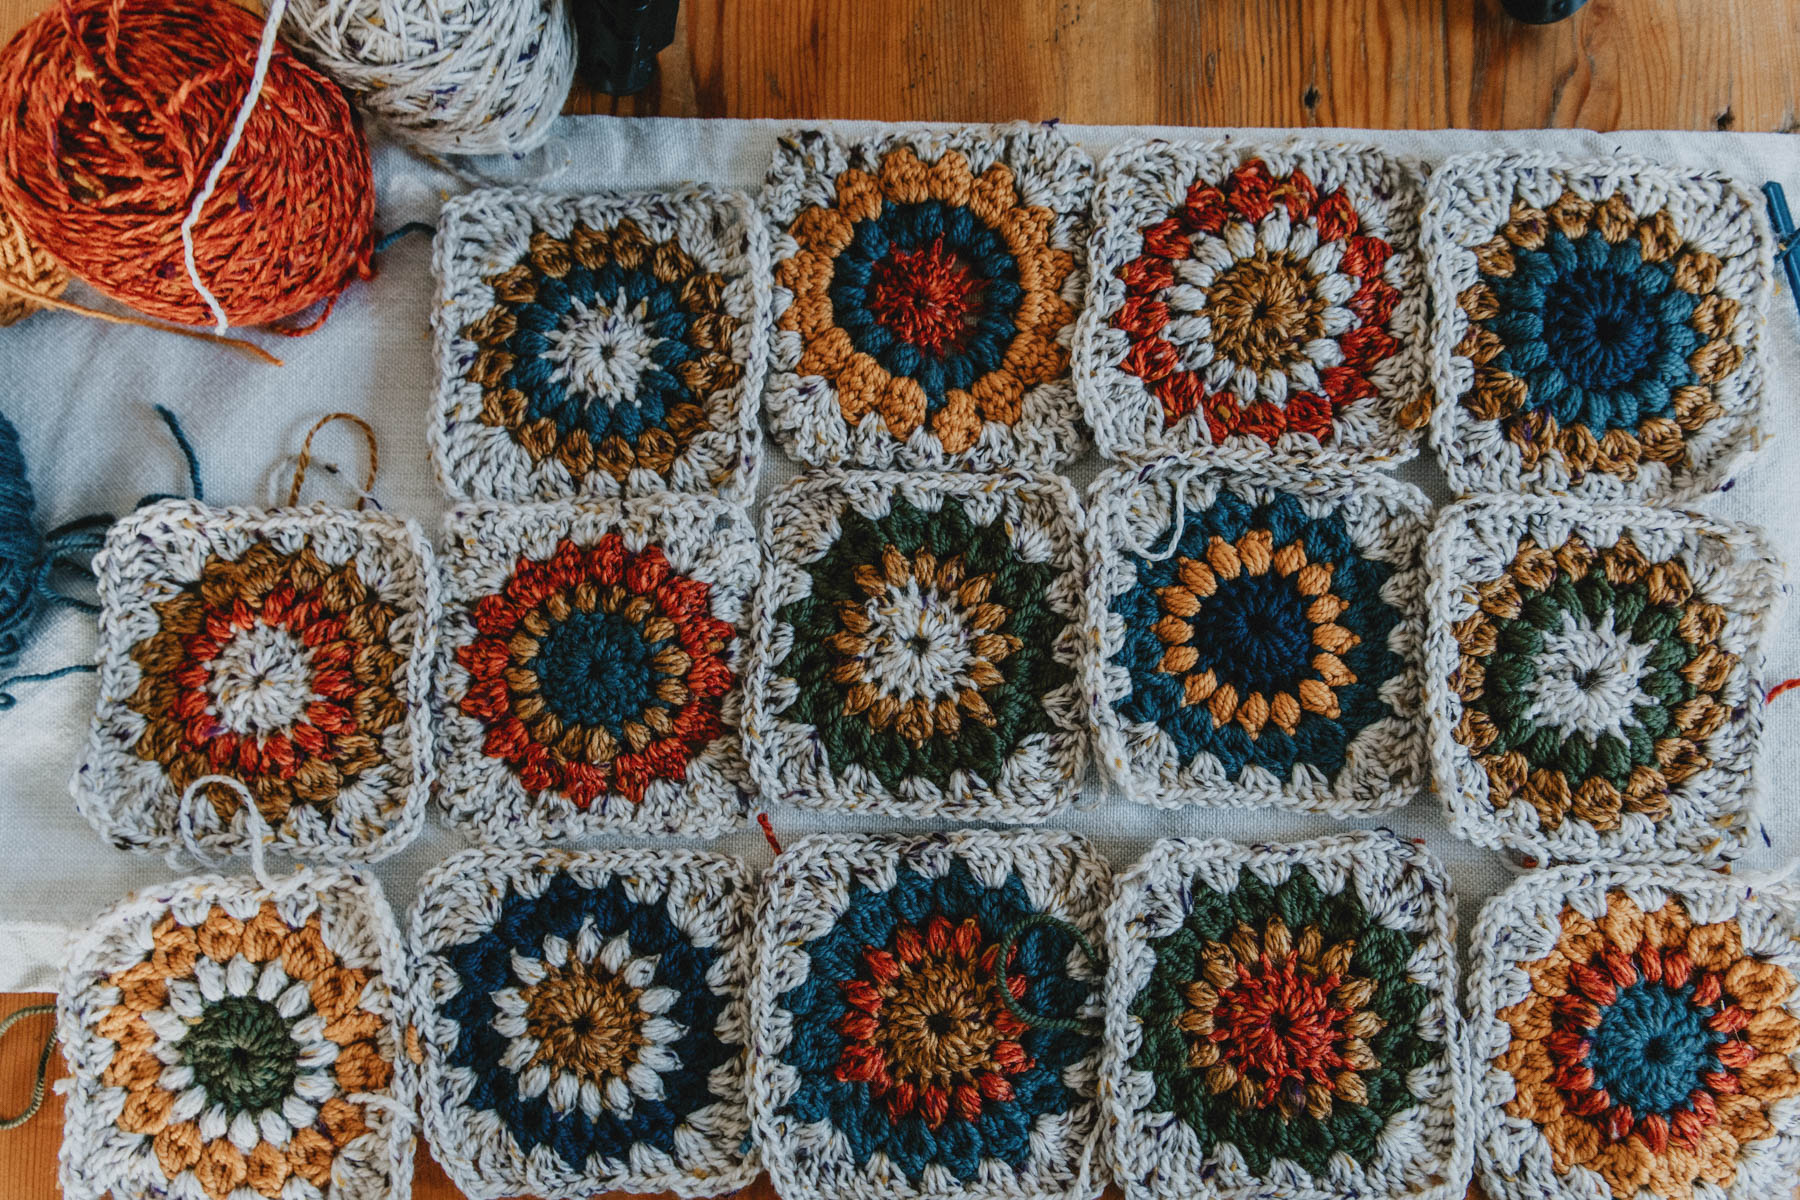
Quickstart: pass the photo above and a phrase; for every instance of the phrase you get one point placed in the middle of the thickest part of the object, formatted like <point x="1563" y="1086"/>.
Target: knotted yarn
<point x="446" y="76"/>
<point x="25" y="271"/>
<point x="112" y="115"/>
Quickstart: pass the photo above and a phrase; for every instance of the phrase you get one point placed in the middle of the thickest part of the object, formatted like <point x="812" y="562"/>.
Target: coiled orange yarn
<point x="111" y="114"/>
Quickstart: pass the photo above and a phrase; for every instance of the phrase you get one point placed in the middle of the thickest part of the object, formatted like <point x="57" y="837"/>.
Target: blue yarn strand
<point x="8" y="700"/>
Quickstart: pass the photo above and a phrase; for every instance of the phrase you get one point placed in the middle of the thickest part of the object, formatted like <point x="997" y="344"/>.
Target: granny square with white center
<point x="1281" y="1021"/>
<point x="1259" y="635"/>
<point x="604" y="345"/>
<point x="1254" y="300"/>
<point x="582" y="1018"/>
<point x="289" y="649"/>
<point x="588" y="674"/>
<point x="1593" y="678"/>
<point x="916" y="646"/>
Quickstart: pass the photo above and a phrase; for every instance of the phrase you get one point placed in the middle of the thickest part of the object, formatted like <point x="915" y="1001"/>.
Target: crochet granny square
<point x="1250" y="299"/>
<point x="1635" y="1033"/>
<point x="926" y="1019"/>
<point x="1593" y="678"/>
<point x="926" y="286"/>
<point x="228" y="1041"/>
<point x="290" y="649"/>
<point x="1259" y="635"/>
<point x="1598" y="325"/>
<point x="1281" y="1021"/>
<point x="588" y="676"/>
<point x="582" y="1019"/>
<point x="916" y="646"/>
<point x="599" y="345"/>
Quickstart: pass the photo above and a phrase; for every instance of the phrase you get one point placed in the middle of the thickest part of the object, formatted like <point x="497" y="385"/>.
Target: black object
<point x="619" y="41"/>
<point x="1540" y="12"/>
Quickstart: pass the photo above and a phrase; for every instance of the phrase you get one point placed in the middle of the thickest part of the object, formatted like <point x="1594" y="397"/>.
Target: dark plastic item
<point x="619" y="41"/>
<point x="1540" y="12"/>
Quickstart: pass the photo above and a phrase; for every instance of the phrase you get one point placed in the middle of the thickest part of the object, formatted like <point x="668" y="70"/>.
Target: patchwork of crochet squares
<point x="897" y="1053"/>
<point x="228" y="1041"/>
<point x="1592" y="678"/>
<point x="582" y="1021"/>
<point x="926" y="286"/>
<point x="588" y="676"/>
<point x="1281" y="1020"/>
<point x="290" y="649"/>
<point x="1252" y="299"/>
<point x="1599" y="325"/>
<point x="1267" y="650"/>
<point x="1637" y="1034"/>
<point x="600" y="345"/>
<point x="916" y="645"/>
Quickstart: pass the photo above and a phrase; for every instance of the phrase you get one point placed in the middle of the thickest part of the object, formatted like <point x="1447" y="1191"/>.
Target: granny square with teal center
<point x="925" y="1019"/>
<point x="1259" y="633"/>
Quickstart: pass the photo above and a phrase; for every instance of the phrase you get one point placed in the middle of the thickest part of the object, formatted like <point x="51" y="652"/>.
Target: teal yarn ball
<point x="22" y="557"/>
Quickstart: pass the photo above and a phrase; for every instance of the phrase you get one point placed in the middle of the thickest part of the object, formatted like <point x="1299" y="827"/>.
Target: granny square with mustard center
<point x="1593" y="678"/>
<point x="926" y="1018"/>
<point x="229" y="1041"/>
<point x="1259" y="635"/>
<point x="582" y="1019"/>
<point x="289" y="649"/>
<point x="1599" y="325"/>
<point x="1636" y="1034"/>
<point x="1255" y="299"/>
<point x="588" y="674"/>
<point x="601" y="345"/>
<point x="926" y="286"/>
<point x="1281" y="1021"/>
<point x="916" y="646"/>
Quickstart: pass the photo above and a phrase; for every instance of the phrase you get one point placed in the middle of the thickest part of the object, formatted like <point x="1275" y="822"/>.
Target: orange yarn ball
<point x="112" y="112"/>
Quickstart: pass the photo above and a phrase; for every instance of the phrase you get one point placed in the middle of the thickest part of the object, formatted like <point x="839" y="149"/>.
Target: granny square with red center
<point x="1636" y="1036"/>
<point x="926" y="288"/>
<point x="1281" y="1021"/>
<point x="587" y="677"/>
<point x="289" y="649"/>
<point x="231" y="1041"/>
<point x="582" y="1020"/>
<point x="925" y="1017"/>
<point x="1255" y="300"/>
<point x="603" y="345"/>
<point x="1593" y="678"/>
<point x="1599" y="325"/>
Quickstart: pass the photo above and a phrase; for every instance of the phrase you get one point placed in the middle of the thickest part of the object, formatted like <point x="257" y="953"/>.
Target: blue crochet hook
<point x="1788" y="245"/>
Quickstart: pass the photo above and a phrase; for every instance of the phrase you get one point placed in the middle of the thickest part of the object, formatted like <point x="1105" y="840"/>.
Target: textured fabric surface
<point x="81" y="394"/>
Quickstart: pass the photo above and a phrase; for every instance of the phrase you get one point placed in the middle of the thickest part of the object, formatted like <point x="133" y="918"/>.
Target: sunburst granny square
<point x="602" y="345"/>
<point x="1599" y="326"/>
<point x="1249" y="299"/>
<point x="1593" y="678"/>
<point x="588" y="673"/>
<point x="926" y="287"/>
<point x="290" y="649"/>
<point x="916" y="646"/>
<point x="1259" y="633"/>
<point x="1636" y="1034"/>
<point x="1281" y="1021"/>
<point x="228" y="1041"/>
<point x="926" y="1021"/>
<point x="583" y="1020"/>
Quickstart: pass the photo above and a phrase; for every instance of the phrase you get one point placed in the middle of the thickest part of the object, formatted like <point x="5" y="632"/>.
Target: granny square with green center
<point x="588" y="673"/>
<point x="1259" y="634"/>
<point x="1636" y="1035"/>
<point x="1599" y="325"/>
<point x="602" y="345"/>
<point x="582" y="1019"/>
<point x="1592" y="677"/>
<point x="916" y="646"/>
<point x="925" y="1017"/>
<point x="926" y="286"/>
<point x="1281" y="1021"/>
<point x="230" y="1041"/>
<point x="1255" y="299"/>
<point x="289" y="649"/>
